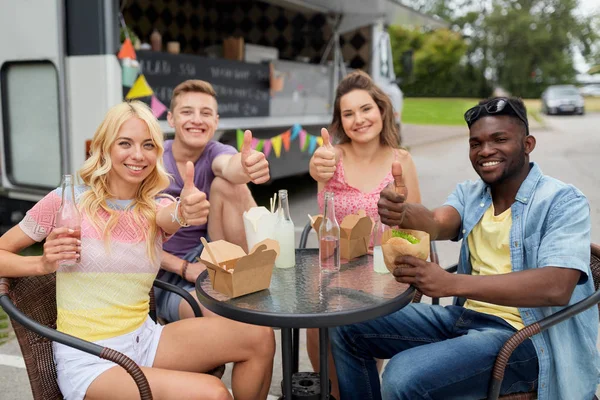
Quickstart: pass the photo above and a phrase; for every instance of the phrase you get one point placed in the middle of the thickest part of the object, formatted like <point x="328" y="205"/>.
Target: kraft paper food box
<point x="355" y="233"/>
<point x="235" y="273"/>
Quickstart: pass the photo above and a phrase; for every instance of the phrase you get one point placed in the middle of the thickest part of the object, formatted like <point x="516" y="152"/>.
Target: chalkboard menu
<point x="242" y="88"/>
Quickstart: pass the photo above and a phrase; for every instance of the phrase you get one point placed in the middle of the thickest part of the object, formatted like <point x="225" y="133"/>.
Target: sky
<point x="586" y="7"/>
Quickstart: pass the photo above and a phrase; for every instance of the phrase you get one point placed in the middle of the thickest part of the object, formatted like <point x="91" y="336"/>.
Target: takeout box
<point x="235" y="273"/>
<point x="393" y="247"/>
<point x="355" y="233"/>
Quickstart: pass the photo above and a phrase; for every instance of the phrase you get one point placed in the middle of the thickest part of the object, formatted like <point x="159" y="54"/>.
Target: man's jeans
<point x="435" y="352"/>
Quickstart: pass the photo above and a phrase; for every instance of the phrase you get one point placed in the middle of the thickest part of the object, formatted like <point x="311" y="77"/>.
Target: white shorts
<point x="76" y="370"/>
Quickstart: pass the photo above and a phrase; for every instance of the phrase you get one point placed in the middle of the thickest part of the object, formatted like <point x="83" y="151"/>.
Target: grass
<point x="3" y="326"/>
<point x="449" y="111"/>
<point x="435" y="111"/>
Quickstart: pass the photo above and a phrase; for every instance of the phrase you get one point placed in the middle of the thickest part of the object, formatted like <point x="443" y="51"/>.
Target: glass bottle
<point x="329" y="237"/>
<point x="68" y="215"/>
<point x="378" y="263"/>
<point x="285" y="234"/>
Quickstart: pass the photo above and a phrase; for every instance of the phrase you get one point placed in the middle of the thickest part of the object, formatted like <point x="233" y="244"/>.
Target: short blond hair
<point x="191" y="86"/>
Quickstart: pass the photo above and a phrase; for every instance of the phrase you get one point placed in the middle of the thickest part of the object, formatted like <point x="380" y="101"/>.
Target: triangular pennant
<point x="312" y="144"/>
<point x="239" y="135"/>
<point x="276" y="142"/>
<point x="296" y="128"/>
<point x="320" y="141"/>
<point x="127" y="50"/>
<point x="267" y="148"/>
<point x="128" y="75"/>
<point x="285" y="137"/>
<point x="302" y="135"/>
<point x="254" y="143"/>
<point x="157" y="107"/>
<point x="140" y="89"/>
<point x="260" y="145"/>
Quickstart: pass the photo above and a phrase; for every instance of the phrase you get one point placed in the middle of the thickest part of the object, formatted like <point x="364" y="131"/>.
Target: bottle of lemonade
<point x="329" y="237"/>
<point x="285" y="235"/>
<point x="68" y="215"/>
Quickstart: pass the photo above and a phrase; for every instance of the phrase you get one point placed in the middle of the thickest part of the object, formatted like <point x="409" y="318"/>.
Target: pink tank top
<point x="348" y="199"/>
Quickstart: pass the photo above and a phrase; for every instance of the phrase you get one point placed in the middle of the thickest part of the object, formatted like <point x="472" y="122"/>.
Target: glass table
<point x="305" y="297"/>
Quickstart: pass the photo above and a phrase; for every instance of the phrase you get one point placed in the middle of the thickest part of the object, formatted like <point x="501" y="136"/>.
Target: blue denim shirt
<point x="551" y="227"/>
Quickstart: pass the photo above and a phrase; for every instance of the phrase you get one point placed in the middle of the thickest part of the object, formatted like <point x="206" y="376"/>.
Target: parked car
<point x="562" y="99"/>
<point x="592" y="90"/>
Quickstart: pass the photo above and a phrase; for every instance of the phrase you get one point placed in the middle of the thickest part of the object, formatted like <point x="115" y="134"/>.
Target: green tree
<point x="532" y="43"/>
<point x="439" y="67"/>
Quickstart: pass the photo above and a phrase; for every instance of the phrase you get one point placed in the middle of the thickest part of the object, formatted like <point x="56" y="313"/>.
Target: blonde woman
<point x="104" y="298"/>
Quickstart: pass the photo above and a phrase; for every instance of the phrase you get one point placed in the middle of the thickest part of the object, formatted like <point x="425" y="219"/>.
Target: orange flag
<point x="127" y="50"/>
<point x="285" y="136"/>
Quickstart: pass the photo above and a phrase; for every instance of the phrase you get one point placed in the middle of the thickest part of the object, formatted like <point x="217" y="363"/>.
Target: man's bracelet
<point x="184" y="269"/>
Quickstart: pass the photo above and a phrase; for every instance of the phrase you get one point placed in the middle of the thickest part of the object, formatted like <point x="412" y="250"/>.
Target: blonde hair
<point x="94" y="174"/>
<point x="359" y="80"/>
<point x="192" y="86"/>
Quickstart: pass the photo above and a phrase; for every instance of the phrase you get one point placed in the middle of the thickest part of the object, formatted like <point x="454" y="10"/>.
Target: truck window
<point x="31" y="123"/>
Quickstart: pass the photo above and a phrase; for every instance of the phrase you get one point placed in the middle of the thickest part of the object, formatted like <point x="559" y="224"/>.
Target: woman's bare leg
<point x="116" y="384"/>
<point x="201" y="344"/>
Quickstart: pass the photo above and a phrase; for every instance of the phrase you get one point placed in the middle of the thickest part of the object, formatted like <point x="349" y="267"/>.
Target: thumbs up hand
<point x="254" y="162"/>
<point x="392" y="199"/>
<point x="194" y="206"/>
<point x="323" y="161"/>
<point x="399" y="186"/>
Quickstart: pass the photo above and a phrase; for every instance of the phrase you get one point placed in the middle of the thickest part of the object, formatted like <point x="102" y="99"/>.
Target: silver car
<point x="562" y="99"/>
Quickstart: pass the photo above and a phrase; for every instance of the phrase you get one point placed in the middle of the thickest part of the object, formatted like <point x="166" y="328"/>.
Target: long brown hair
<point x="359" y="80"/>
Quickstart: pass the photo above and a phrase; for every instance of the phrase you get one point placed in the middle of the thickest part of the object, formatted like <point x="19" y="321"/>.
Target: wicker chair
<point x="523" y="334"/>
<point x="31" y="305"/>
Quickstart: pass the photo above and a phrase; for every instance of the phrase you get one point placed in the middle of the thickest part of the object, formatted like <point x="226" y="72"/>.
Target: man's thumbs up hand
<point x="254" y="162"/>
<point x="392" y="199"/>
<point x="399" y="185"/>
<point x="194" y="206"/>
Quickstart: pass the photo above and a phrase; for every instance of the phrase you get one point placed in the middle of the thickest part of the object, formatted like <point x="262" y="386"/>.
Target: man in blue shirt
<point x="525" y="255"/>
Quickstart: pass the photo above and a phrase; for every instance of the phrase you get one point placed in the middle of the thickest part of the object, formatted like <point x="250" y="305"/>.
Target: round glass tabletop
<point x="306" y="297"/>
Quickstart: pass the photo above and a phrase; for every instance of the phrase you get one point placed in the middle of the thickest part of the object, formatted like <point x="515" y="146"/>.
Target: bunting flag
<point x="276" y="142"/>
<point x="127" y="50"/>
<point x="302" y="139"/>
<point x="285" y="137"/>
<point x="295" y="131"/>
<point x="239" y="134"/>
<point x="129" y="74"/>
<point x="267" y="148"/>
<point x="313" y="144"/>
<point x="157" y="107"/>
<point x="140" y="89"/>
<point x="259" y="146"/>
<point x="282" y="142"/>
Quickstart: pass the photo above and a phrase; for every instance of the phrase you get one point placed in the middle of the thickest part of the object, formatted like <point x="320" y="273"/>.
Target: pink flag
<point x="302" y="139"/>
<point x="267" y="148"/>
<point x="157" y="107"/>
<point x="254" y="143"/>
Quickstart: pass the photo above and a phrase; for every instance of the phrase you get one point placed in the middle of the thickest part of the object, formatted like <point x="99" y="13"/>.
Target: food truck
<point x="274" y="64"/>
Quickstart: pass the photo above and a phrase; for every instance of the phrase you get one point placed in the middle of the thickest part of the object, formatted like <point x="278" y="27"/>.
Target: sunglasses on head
<point x="492" y="107"/>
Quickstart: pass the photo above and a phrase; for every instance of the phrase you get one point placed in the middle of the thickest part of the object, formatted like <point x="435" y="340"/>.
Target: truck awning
<point x="358" y="13"/>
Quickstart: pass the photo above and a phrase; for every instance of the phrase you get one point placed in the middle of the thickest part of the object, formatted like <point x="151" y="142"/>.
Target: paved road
<point x="566" y="149"/>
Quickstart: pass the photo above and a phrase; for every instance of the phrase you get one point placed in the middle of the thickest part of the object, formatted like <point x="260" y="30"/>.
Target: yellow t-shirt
<point x="489" y="245"/>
